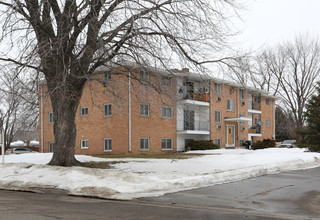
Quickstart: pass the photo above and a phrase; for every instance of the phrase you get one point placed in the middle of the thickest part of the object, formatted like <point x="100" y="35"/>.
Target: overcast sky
<point x="267" y="22"/>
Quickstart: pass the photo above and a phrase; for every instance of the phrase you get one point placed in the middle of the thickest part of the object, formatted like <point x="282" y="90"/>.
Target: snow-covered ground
<point x="150" y="177"/>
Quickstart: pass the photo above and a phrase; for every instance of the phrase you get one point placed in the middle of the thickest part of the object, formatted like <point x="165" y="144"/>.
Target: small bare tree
<point x="68" y="40"/>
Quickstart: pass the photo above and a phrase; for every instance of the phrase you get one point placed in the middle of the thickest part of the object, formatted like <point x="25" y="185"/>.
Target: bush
<point x="266" y="143"/>
<point x="202" y="145"/>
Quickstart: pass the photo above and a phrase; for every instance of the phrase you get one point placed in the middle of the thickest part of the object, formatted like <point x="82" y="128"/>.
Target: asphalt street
<point x="292" y="195"/>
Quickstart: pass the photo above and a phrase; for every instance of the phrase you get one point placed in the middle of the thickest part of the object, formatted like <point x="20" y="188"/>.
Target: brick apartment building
<point x="129" y="110"/>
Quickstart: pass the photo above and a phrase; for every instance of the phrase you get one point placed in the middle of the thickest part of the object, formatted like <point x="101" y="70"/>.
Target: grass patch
<point x="101" y="164"/>
<point x="177" y="156"/>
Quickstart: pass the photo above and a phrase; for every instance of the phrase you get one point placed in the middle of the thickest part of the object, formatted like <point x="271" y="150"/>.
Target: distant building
<point x="121" y="115"/>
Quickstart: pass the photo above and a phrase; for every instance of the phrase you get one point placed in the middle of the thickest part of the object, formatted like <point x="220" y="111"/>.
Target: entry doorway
<point x="230" y="136"/>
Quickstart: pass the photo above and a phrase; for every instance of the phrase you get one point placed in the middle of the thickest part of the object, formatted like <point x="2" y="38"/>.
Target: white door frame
<point x="227" y="136"/>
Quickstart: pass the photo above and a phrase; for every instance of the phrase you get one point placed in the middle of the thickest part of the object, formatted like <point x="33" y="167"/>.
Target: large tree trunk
<point x="65" y="101"/>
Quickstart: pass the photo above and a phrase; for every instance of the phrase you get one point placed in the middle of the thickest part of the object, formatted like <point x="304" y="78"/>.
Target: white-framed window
<point x="51" y="147"/>
<point x="144" y="109"/>
<point x="107" y="110"/>
<point x="166" y="112"/>
<point x="217" y="116"/>
<point x="107" y="144"/>
<point x="166" y="81"/>
<point x="144" y="143"/>
<point x="217" y="88"/>
<point x="144" y="76"/>
<point x="268" y="122"/>
<point x="241" y="94"/>
<point x="217" y="142"/>
<point x="241" y="142"/>
<point x="166" y="143"/>
<point x="51" y="118"/>
<point x="107" y="76"/>
<point x="241" y="116"/>
<point x="84" y="111"/>
<point x="256" y="121"/>
<point x="230" y="105"/>
<point x="257" y="100"/>
<point x="267" y="101"/>
<point x="84" y="144"/>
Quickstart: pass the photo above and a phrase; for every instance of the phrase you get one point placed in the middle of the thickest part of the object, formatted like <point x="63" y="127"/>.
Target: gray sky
<point x="267" y="22"/>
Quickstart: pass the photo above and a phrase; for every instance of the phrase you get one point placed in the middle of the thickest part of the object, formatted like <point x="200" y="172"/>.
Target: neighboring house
<point x="121" y="115"/>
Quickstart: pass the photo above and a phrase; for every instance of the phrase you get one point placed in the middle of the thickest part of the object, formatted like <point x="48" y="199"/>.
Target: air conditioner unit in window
<point x="218" y="99"/>
<point x="243" y="128"/>
<point x="218" y="126"/>
<point x="243" y="103"/>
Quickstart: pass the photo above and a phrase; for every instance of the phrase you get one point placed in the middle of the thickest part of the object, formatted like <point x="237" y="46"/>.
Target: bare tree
<point x="19" y="107"/>
<point x="289" y="71"/>
<point x="71" y="39"/>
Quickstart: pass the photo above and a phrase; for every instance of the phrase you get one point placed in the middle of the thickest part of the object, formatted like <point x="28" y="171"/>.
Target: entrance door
<point x="230" y="135"/>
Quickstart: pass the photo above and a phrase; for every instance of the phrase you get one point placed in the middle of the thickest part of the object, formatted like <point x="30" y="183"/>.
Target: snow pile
<point x="17" y="144"/>
<point x="151" y="177"/>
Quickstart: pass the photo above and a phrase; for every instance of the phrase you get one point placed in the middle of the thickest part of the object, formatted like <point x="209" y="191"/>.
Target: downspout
<point x="238" y="122"/>
<point x="274" y="119"/>
<point x="41" y="106"/>
<point x="129" y="111"/>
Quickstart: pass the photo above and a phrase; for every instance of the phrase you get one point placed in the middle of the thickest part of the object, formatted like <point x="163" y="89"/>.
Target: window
<point x="230" y="104"/>
<point x="144" y="143"/>
<point x="144" y="109"/>
<point x="268" y="122"/>
<point x="51" y="119"/>
<point x="166" y="81"/>
<point x="51" y="147"/>
<point x="217" y="142"/>
<point x="84" y="144"/>
<point x="256" y="121"/>
<point x="241" y="94"/>
<point x="267" y="101"/>
<point x="144" y="76"/>
<point x="241" y="116"/>
<point x="217" y="116"/>
<point x="84" y="111"/>
<point x="257" y="100"/>
<point x="166" y="144"/>
<point x="217" y="88"/>
<point x="107" y="144"/>
<point x="166" y="112"/>
<point x="107" y="76"/>
<point x="107" y="109"/>
<point x="241" y="142"/>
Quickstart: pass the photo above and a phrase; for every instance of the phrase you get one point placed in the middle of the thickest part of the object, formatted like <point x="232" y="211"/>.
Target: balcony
<point x="202" y="97"/>
<point x="254" y="131"/>
<point x="195" y="127"/>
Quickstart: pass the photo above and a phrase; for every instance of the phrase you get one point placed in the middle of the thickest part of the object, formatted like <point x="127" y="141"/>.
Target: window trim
<point x="104" y="110"/>
<point x="241" y="94"/>
<point x="166" y="109"/>
<point x="267" y="101"/>
<point x="51" y="117"/>
<point x="241" y="115"/>
<point x="215" y="141"/>
<point x="84" y="141"/>
<point x="216" y="86"/>
<point x="268" y="125"/>
<point x="144" y="138"/>
<point x="142" y="112"/>
<point x="81" y="113"/>
<point x="144" y="76"/>
<point x="109" y="74"/>
<point x="232" y="106"/>
<point x="104" y="145"/>
<point x="51" y="143"/>
<point x="166" y="139"/>
<point x="166" y="79"/>
<point x="219" y="116"/>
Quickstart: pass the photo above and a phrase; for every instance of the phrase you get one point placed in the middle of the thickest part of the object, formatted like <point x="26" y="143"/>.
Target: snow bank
<point x="151" y="177"/>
